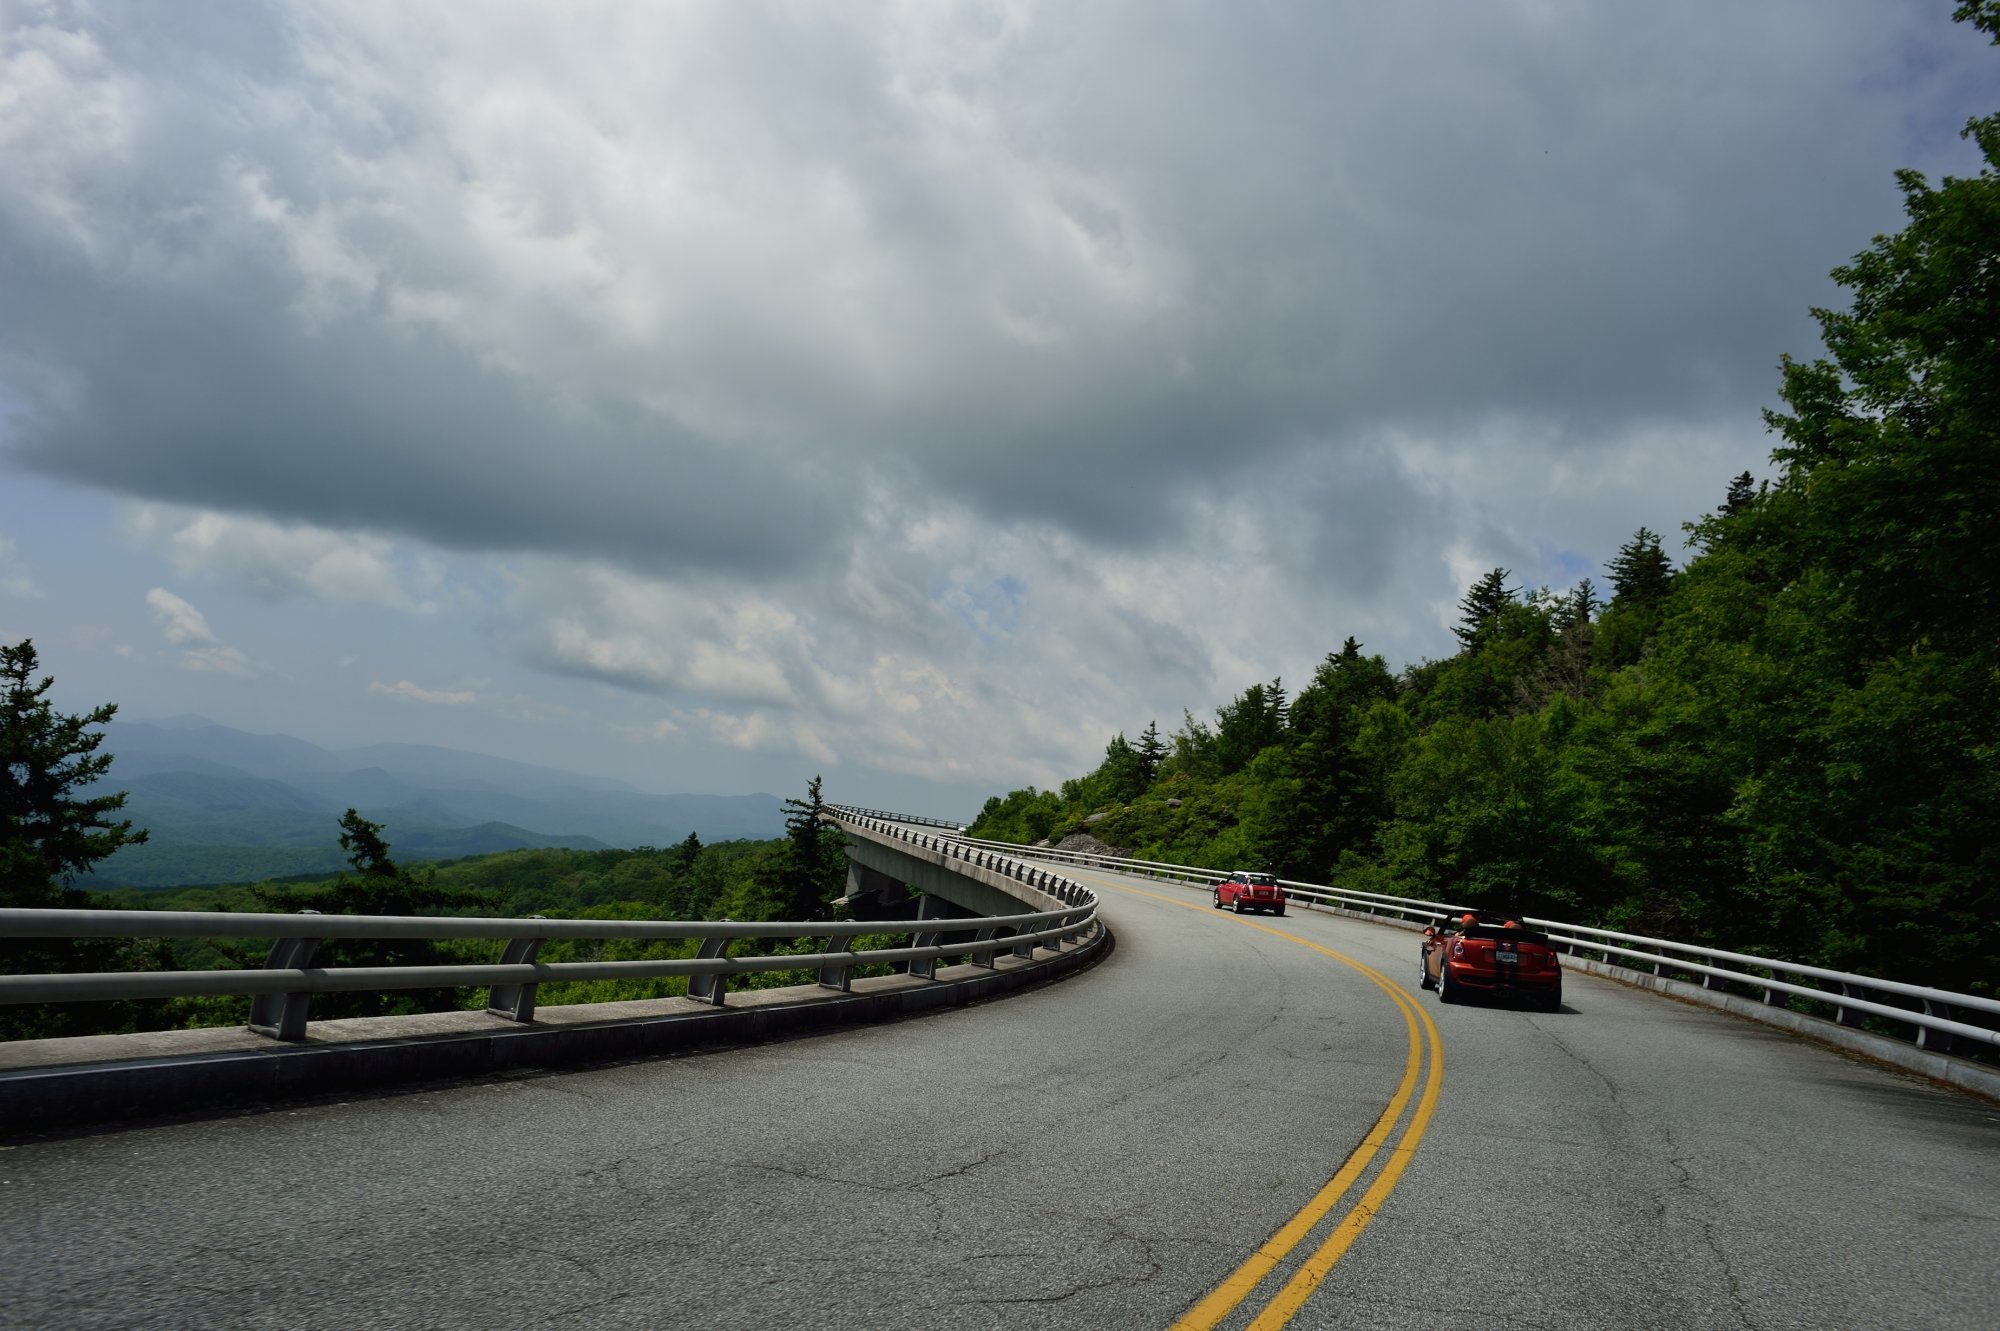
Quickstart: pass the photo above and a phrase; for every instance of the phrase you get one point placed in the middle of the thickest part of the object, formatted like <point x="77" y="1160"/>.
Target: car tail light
<point x="1458" y="949"/>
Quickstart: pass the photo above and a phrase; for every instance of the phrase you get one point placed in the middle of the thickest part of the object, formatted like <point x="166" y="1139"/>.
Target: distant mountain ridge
<point x="226" y="805"/>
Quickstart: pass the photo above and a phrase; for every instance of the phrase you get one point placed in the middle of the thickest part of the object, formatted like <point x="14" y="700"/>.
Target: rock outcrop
<point x="1087" y="844"/>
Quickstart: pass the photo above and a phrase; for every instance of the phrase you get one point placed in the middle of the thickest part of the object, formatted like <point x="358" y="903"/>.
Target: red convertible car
<point x="1491" y="954"/>
<point x="1244" y="890"/>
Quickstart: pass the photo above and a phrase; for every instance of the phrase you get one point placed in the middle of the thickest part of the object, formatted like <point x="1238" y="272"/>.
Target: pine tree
<point x="689" y="854"/>
<point x="1580" y="607"/>
<point x="1641" y="573"/>
<point x="50" y="829"/>
<point x="1482" y="607"/>
<point x="814" y="869"/>
<point x="51" y="832"/>
<point x="1152" y="752"/>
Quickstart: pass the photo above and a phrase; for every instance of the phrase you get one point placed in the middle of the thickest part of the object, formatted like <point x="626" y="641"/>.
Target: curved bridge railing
<point x="888" y="816"/>
<point x="1936" y="1017"/>
<point x="281" y="992"/>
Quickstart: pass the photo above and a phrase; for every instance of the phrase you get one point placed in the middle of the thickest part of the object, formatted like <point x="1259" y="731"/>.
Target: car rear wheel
<point x="1554" y="1002"/>
<point x="1279" y="912"/>
<point x="1447" y="991"/>
<point x="1239" y="905"/>
<point x="1218" y="899"/>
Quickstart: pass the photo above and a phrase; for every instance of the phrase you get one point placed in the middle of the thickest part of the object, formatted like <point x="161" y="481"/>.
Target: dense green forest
<point x="1789" y="745"/>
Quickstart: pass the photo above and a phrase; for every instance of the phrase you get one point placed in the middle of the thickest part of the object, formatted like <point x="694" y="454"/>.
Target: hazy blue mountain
<point x="457" y="768"/>
<point x="193" y="737"/>
<point x="224" y="805"/>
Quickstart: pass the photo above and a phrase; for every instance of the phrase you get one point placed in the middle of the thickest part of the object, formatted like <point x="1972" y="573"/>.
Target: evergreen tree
<point x="1742" y="492"/>
<point x="1194" y="748"/>
<point x="815" y="867"/>
<point x="1481" y="609"/>
<point x="1641" y="573"/>
<point x="1152" y="751"/>
<point x="1247" y="726"/>
<point x="1321" y="799"/>
<point x="51" y="828"/>
<point x="1641" y="578"/>
<point x="689" y="854"/>
<point x="1580" y="607"/>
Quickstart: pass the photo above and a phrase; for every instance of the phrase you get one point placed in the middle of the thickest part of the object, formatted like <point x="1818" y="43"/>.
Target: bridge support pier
<point x="873" y="863"/>
<point x="874" y="895"/>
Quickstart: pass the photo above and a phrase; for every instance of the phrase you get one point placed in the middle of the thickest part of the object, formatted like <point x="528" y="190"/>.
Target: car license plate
<point x="1507" y="958"/>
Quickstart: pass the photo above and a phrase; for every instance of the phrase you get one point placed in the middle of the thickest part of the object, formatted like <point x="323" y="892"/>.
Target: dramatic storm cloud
<point x="921" y="392"/>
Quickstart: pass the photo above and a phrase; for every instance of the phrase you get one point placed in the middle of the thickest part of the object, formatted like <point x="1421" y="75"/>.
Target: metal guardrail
<point x="1936" y="1021"/>
<point x="282" y="990"/>
<point x="885" y="815"/>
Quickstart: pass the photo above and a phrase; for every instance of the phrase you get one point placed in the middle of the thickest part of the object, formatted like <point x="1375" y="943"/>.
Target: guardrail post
<point x="1847" y="1016"/>
<point x="283" y="1016"/>
<point x="837" y="974"/>
<point x="983" y="956"/>
<point x="924" y="966"/>
<point x="1774" y="997"/>
<point x="516" y="1002"/>
<point x="1024" y="950"/>
<point x="1938" y="1042"/>
<point x="710" y="989"/>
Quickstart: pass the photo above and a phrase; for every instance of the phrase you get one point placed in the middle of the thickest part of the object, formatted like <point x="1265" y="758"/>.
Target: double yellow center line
<point x="1243" y="1282"/>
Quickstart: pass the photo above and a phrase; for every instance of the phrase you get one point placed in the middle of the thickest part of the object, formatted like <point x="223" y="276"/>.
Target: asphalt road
<point x="1100" y="1153"/>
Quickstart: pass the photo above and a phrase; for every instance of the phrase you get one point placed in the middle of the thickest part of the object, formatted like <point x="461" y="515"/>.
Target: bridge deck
<point x="1098" y="1153"/>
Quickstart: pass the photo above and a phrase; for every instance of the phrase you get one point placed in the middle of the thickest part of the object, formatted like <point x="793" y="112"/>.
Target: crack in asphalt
<point x="919" y="1185"/>
<point x="1133" y="1280"/>
<point x="1617" y="1097"/>
<point x="594" y="1272"/>
<point x="1683" y="1182"/>
<point x="555" y="1316"/>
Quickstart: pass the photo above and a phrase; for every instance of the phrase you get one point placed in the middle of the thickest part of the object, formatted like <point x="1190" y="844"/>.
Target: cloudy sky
<point x="715" y="394"/>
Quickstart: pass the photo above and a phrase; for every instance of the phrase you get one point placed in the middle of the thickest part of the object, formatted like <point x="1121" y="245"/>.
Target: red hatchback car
<point x="1493" y="955"/>
<point x="1244" y="890"/>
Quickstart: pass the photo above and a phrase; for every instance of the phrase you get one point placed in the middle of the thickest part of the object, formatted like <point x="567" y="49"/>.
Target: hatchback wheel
<point x="1217" y="899"/>
<point x="1239" y="905"/>
<point x="1447" y="992"/>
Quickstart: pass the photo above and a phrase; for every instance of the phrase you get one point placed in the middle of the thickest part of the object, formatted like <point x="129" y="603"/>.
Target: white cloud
<point x="68" y="118"/>
<point x="939" y="387"/>
<point x="280" y="560"/>
<point x="185" y="627"/>
<point x="404" y="689"/>
<point x="179" y="621"/>
<point x="764" y="733"/>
